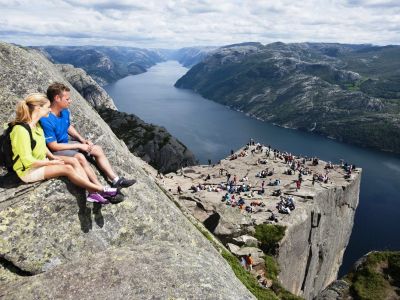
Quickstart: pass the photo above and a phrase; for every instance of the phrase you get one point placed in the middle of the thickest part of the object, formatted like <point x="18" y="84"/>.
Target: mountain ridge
<point x="340" y="91"/>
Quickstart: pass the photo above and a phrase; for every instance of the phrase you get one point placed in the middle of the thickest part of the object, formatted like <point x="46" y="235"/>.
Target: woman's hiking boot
<point x="123" y="183"/>
<point x="109" y="192"/>
<point x="113" y="195"/>
<point x="96" y="198"/>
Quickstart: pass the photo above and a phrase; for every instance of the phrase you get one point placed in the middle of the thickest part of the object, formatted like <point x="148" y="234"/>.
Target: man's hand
<point x="88" y="142"/>
<point x="86" y="147"/>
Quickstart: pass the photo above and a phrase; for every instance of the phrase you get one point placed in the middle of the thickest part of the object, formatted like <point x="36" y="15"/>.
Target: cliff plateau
<point x="316" y="232"/>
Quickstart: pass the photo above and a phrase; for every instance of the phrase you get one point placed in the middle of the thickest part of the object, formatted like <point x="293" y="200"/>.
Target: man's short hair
<point x="56" y="88"/>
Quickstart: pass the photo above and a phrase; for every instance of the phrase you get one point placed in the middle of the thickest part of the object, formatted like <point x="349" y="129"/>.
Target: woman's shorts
<point x="33" y="175"/>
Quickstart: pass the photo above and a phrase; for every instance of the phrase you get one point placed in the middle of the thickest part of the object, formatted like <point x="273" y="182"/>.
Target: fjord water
<point x="211" y="130"/>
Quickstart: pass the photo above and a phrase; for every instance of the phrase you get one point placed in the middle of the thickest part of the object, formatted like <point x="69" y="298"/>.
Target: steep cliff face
<point x="143" y="245"/>
<point x="152" y="143"/>
<point x="312" y="250"/>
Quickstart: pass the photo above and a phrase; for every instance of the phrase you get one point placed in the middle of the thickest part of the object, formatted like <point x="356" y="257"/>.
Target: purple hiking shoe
<point x="96" y="198"/>
<point x="109" y="192"/>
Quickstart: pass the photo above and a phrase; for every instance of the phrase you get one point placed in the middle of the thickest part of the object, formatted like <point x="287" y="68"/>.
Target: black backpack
<point x="6" y="154"/>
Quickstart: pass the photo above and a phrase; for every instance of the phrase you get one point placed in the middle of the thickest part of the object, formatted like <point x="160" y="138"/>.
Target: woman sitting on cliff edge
<point x="39" y="163"/>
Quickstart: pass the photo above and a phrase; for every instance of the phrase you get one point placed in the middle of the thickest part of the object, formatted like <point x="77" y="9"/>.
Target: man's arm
<point x="75" y="134"/>
<point x="54" y="146"/>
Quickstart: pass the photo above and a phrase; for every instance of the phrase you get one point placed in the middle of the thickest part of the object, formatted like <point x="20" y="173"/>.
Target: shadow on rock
<point x="98" y="217"/>
<point x="10" y="180"/>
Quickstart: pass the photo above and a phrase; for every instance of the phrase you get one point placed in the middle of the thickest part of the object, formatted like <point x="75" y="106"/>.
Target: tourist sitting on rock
<point x="241" y="201"/>
<point x="288" y="172"/>
<point x="57" y="128"/>
<point x="283" y="209"/>
<point x="208" y="177"/>
<point x="249" y="209"/>
<point x="277" y="192"/>
<point x="273" y="217"/>
<point x="37" y="163"/>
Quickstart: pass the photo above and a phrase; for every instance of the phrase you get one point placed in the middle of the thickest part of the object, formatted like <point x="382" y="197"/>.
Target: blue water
<point x="211" y="130"/>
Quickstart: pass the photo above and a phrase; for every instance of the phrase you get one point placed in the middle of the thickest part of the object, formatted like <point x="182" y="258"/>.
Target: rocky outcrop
<point x="329" y="89"/>
<point x="374" y="276"/>
<point x="86" y="86"/>
<point x="56" y="245"/>
<point x="152" y="143"/>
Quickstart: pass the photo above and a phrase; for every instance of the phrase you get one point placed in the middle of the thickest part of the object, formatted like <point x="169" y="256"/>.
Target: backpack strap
<point x="28" y="128"/>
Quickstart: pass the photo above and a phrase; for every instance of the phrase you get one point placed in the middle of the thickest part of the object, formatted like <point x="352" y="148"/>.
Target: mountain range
<point x="346" y="92"/>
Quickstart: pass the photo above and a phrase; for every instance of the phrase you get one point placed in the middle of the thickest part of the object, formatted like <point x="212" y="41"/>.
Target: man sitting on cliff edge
<point x="57" y="127"/>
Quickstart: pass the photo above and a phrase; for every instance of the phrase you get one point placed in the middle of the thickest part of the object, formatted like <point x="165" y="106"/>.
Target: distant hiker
<point x="57" y="127"/>
<point x="179" y="190"/>
<point x="249" y="262"/>
<point x="232" y="152"/>
<point x="159" y="174"/>
<point x="40" y="164"/>
<point x="243" y="262"/>
<point x="228" y="176"/>
<point x="298" y="185"/>
<point x="209" y="162"/>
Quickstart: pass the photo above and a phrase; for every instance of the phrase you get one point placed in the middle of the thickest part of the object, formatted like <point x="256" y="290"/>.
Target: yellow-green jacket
<point x="21" y="145"/>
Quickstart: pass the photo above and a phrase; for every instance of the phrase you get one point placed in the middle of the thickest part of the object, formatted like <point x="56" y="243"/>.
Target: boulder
<point x="247" y="240"/>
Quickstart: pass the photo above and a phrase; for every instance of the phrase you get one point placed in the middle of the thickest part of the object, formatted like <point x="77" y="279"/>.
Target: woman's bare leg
<point x="75" y="164"/>
<point x="53" y="171"/>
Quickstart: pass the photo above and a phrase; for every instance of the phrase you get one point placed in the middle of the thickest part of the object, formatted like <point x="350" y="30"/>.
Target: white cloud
<point x="179" y="23"/>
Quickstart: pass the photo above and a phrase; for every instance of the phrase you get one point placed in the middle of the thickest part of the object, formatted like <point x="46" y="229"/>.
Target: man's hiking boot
<point x="118" y="198"/>
<point x="96" y="198"/>
<point x="123" y="183"/>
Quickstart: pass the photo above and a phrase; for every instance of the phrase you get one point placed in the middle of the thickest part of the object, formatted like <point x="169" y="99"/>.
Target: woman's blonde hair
<point x="25" y="107"/>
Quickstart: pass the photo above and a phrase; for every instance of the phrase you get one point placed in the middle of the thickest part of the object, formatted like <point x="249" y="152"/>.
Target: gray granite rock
<point x="49" y="227"/>
<point x="154" y="270"/>
<point x="86" y="86"/>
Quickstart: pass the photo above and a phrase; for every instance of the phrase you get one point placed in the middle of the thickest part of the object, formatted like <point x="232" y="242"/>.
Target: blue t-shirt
<point x="56" y="128"/>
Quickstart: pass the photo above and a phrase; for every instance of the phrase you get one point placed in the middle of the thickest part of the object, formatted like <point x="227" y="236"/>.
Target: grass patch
<point x="269" y="235"/>
<point x="247" y="279"/>
<point x="272" y="268"/>
<point x="371" y="280"/>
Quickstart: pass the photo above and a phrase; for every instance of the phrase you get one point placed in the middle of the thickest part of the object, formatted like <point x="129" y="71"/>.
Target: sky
<point x="184" y="23"/>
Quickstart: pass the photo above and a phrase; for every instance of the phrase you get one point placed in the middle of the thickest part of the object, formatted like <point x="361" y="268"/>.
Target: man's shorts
<point x="70" y="152"/>
<point x="33" y="175"/>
